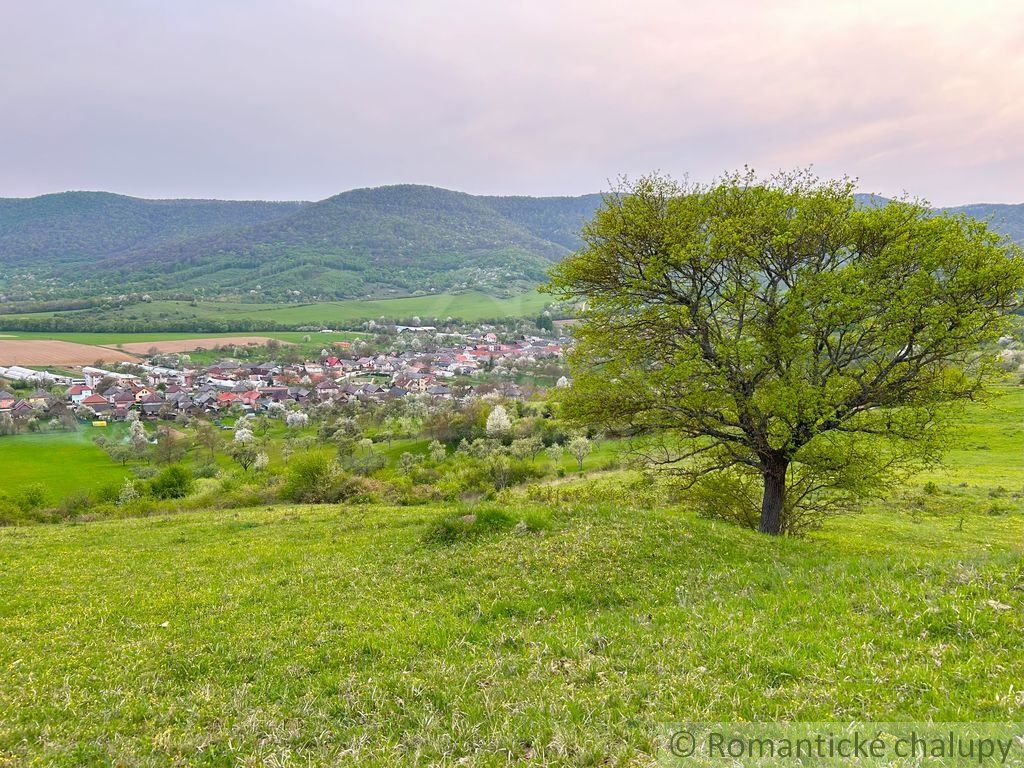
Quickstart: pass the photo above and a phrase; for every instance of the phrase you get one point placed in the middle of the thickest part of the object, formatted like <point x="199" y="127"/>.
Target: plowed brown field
<point x="48" y="352"/>
<point x="187" y="345"/>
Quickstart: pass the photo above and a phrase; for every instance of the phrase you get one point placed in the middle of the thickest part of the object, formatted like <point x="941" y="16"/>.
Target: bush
<point x="205" y="470"/>
<point x="357" y="490"/>
<point x="74" y="504"/>
<point x="31" y="497"/>
<point x="12" y="514"/>
<point x="174" y="482"/>
<point x="455" y="527"/>
<point x="309" y="479"/>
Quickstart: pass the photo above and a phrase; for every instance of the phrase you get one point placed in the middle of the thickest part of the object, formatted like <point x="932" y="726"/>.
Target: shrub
<point x="12" y="514"/>
<point x="466" y="527"/>
<point x="31" y="497"/>
<point x="75" y="503"/>
<point x="357" y="490"/>
<point x="174" y="482"/>
<point x="309" y="479"/>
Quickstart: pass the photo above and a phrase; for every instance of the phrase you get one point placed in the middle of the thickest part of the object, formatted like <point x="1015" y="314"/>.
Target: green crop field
<point x="465" y="306"/>
<point x="116" y="339"/>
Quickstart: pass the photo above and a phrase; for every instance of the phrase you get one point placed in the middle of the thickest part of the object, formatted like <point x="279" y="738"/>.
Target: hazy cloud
<point x="305" y="98"/>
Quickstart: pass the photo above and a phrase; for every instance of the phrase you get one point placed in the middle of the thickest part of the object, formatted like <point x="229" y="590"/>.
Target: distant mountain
<point x="1007" y="219"/>
<point x="387" y="241"/>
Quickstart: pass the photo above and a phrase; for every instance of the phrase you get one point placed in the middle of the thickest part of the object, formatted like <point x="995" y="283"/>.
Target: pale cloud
<point x="306" y="98"/>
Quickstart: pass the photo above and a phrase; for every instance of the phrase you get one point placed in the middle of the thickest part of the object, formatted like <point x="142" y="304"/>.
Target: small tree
<point x="781" y="334"/>
<point x="498" y="422"/>
<point x="408" y="462"/>
<point x="296" y="419"/>
<point x="169" y="448"/>
<point x="244" y="453"/>
<point x="208" y="438"/>
<point x="555" y="453"/>
<point x="173" y="482"/>
<point x="438" y="453"/>
<point x="128" y="493"/>
<point x="579" y="448"/>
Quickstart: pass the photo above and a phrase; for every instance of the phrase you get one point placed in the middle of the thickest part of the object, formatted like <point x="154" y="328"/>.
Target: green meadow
<point x="62" y="462"/>
<point x="471" y="307"/>
<point x="116" y="339"/>
<point x="504" y="632"/>
<point x="535" y="636"/>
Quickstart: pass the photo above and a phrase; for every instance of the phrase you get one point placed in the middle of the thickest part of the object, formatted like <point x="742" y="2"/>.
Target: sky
<point x="302" y="99"/>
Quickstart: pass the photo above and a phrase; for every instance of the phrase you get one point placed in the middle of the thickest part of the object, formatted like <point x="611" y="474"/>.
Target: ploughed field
<point x="56" y="352"/>
<point x="43" y="352"/>
<point x="187" y="345"/>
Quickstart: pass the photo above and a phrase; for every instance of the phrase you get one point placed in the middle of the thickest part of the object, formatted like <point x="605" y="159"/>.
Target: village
<point x="171" y="387"/>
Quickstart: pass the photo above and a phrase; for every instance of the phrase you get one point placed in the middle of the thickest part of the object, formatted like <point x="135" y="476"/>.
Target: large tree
<point x="778" y="337"/>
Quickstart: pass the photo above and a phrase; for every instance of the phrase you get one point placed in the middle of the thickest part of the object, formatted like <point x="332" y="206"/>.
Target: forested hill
<point x="386" y="241"/>
<point x="75" y="227"/>
<point x="362" y="243"/>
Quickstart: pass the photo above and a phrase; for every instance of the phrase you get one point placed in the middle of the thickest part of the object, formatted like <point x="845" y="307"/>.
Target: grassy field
<point x="327" y="636"/>
<point x="115" y="339"/>
<point x="63" y="462"/>
<point x="554" y="635"/>
<point x="467" y="306"/>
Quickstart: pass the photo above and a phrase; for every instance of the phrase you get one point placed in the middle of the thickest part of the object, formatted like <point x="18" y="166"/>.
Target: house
<point x="40" y="399"/>
<point x="78" y="392"/>
<point x="7" y="400"/>
<point x="97" y="402"/>
<point x="326" y="389"/>
<point x="22" y="411"/>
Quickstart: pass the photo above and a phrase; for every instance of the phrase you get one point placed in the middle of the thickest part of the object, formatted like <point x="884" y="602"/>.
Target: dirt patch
<point x="49" y="352"/>
<point x="187" y="345"/>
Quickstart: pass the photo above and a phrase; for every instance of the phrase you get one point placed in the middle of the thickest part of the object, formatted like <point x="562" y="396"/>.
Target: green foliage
<point x="31" y="497"/>
<point x="469" y="525"/>
<point x="778" y="331"/>
<point x="172" y="482"/>
<point x="309" y="478"/>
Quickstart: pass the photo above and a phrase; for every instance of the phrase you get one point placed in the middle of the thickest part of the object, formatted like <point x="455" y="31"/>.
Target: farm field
<point x="467" y="306"/>
<point x="43" y="352"/>
<point x="141" y="343"/>
<point x="187" y="345"/>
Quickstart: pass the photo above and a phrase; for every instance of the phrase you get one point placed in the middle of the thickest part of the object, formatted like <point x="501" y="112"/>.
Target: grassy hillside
<point x="327" y="636"/>
<point x="62" y="462"/>
<point x="554" y="634"/>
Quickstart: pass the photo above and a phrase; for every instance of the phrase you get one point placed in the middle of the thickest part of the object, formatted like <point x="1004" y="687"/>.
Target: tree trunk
<point x="774" y="499"/>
